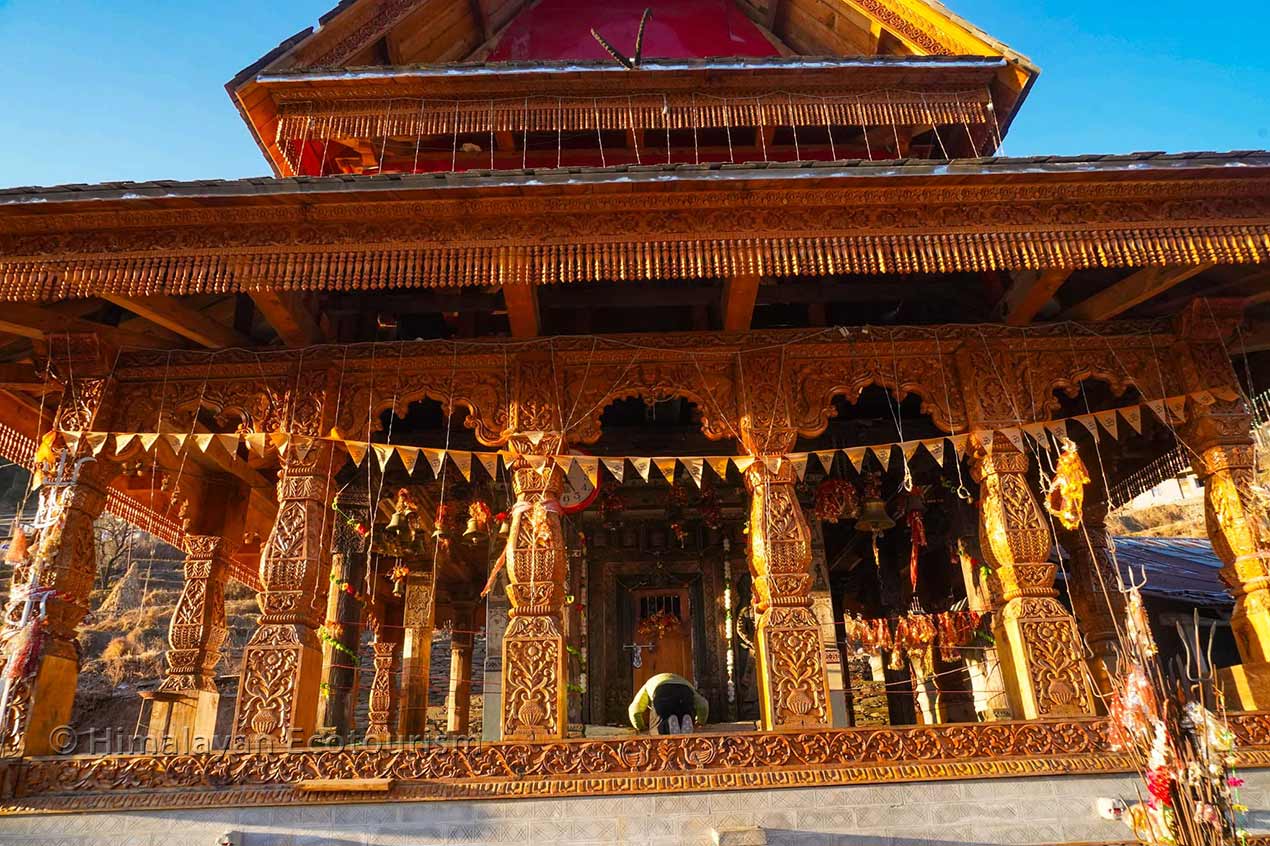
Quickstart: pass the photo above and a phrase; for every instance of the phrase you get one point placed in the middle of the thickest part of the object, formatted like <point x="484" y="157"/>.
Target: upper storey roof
<point x="307" y="74"/>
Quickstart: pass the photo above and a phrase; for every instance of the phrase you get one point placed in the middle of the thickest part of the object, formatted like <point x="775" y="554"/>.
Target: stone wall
<point x="1042" y="810"/>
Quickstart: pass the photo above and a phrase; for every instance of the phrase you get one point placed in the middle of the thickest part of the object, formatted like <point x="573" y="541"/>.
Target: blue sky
<point x="100" y="90"/>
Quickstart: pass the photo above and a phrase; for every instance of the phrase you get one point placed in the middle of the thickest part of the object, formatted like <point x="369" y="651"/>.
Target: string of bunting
<point x="1170" y="411"/>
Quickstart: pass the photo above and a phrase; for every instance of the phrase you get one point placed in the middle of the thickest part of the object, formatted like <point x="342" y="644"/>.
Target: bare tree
<point x="113" y="539"/>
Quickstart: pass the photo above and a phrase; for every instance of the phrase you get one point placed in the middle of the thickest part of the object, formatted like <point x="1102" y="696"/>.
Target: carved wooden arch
<point x="816" y="384"/>
<point x="362" y="401"/>
<point x="709" y="386"/>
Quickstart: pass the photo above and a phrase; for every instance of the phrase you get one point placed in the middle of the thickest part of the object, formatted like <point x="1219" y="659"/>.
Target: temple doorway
<point x="663" y="634"/>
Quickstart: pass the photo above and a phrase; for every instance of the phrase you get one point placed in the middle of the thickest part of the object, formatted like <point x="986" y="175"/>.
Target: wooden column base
<point x="793" y="686"/>
<point x="535" y="680"/>
<point x="1042" y="659"/>
<point x="1247" y="686"/>
<point x="278" y="692"/>
<point x="40" y="708"/>
<point x="183" y="722"/>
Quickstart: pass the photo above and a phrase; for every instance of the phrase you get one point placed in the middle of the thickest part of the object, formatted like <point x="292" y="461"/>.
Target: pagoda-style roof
<point x="379" y="74"/>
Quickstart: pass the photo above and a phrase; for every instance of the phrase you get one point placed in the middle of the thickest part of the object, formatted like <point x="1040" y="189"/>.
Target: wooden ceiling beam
<point x="37" y="323"/>
<point x="481" y="20"/>
<point x="175" y="316"/>
<point x="24" y="378"/>
<point x="740" y="293"/>
<point x="1133" y="290"/>
<point x="522" y="310"/>
<point x="290" y="317"/>
<point x="1029" y="294"/>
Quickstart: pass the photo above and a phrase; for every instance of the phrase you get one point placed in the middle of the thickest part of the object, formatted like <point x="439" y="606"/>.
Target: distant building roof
<point x="1178" y="569"/>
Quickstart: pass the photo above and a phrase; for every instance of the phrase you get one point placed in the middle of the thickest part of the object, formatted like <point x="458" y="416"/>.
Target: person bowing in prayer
<point x="668" y="704"/>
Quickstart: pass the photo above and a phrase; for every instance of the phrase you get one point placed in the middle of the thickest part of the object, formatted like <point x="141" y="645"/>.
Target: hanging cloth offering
<point x="1066" y="497"/>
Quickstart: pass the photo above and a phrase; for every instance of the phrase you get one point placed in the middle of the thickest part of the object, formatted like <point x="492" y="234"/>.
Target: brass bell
<point x="873" y="517"/>
<point x="473" y="533"/>
<point x="397" y="523"/>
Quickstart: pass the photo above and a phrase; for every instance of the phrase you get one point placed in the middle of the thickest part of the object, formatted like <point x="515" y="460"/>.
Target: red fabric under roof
<point x="679" y="29"/>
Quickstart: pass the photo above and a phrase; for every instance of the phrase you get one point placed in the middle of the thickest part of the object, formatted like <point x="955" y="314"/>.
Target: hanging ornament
<point x="836" y="499"/>
<point x="398" y="575"/>
<point x="915" y="516"/>
<point x="1066" y="497"/>
<point x="711" y="509"/>
<point x="19" y="547"/>
<point x="478" y="517"/>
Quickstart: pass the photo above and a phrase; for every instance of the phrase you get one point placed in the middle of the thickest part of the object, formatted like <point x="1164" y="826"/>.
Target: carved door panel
<point x="663" y="622"/>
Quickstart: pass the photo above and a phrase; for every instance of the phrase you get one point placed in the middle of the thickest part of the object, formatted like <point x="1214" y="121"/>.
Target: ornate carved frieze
<point x="557" y="235"/>
<point x="590" y="767"/>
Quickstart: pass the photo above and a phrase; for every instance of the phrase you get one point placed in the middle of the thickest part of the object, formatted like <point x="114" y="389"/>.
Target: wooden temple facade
<point x="485" y="249"/>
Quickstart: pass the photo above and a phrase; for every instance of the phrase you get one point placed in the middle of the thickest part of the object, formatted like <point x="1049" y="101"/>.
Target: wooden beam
<point x="37" y="323"/>
<point x="739" y="295"/>
<point x="22" y="377"/>
<point x="522" y="310"/>
<point x="480" y="19"/>
<point x="1029" y="294"/>
<point x="1132" y="290"/>
<point x="290" y="317"/>
<point x="773" y="14"/>
<point x="172" y="314"/>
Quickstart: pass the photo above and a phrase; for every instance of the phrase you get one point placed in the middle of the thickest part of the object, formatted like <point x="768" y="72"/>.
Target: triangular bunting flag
<point x="1015" y="436"/>
<point x="436" y="460"/>
<point x="719" y="464"/>
<point x="409" y="457"/>
<point x="616" y="468"/>
<point x="1157" y="407"/>
<point x="936" y="450"/>
<point x="1204" y="397"/>
<point x="1133" y="416"/>
<point x="881" y="453"/>
<point x="590" y="467"/>
<point x="202" y="441"/>
<point x="959" y="445"/>
<point x="1177" y="407"/>
<point x="123" y="441"/>
<point x="799" y="460"/>
<point x="177" y="442"/>
<point x="743" y="463"/>
<point x="383" y="452"/>
<point x="696" y="467"/>
<point x="280" y="440"/>
<point x="1057" y="430"/>
<point x="301" y="445"/>
<point x="96" y="442"/>
<point x="463" y="460"/>
<point x="489" y="460"/>
<point x="229" y="443"/>
<point x="825" y="457"/>
<point x="642" y="466"/>
<point x="356" y="451"/>
<point x="909" y="448"/>
<point x="535" y="438"/>
<point x="147" y="440"/>
<point x="667" y="468"/>
<point x="72" y="440"/>
<point x="855" y="457"/>
<point x="256" y="443"/>
<point x="1107" y="420"/>
<point x="1088" y="422"/>
<point x="773" y="462"/>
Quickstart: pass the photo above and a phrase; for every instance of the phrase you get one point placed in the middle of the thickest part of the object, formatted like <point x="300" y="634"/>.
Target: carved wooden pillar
<point x="1094" y="589"/>
<point x="344" y="615"/>
<point x="51" y="591"/>
<point x="418" y="623"/>
<point x="535" y="680"/>
<point x="459" y="702"/>
<point x="282" y="664"/>
<point x="183" y="715"/>
<point x="793" y="686"/>
<point x="1220" y="439"/>
<point x="1040" y="648"/>
<point x="383" y="691"/>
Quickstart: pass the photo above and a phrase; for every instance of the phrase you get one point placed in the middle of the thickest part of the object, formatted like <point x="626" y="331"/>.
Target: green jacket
<point x="640" y="704"/>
